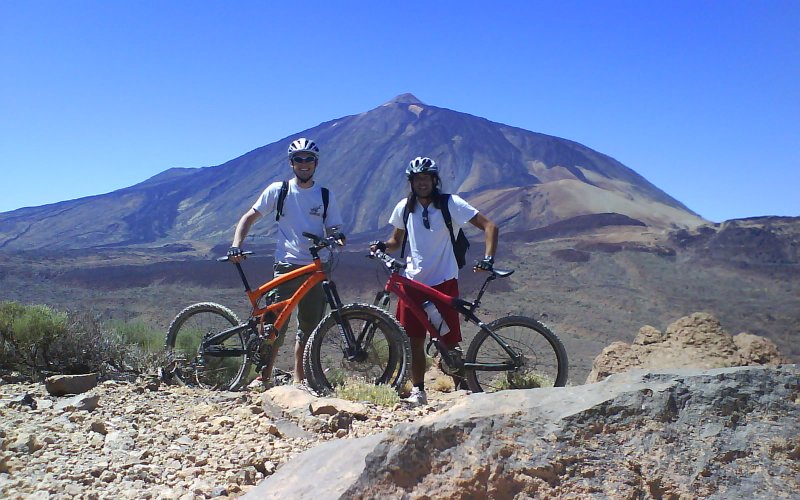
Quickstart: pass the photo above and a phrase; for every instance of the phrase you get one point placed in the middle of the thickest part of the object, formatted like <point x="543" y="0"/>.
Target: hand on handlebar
<point x="391" y="262"/>
<point x="485" y="264"/>
<point x="377" y="245"/>
<point x="335" y="239"/>
<point x="235" y="254"/>
<point x="338" y="237"/>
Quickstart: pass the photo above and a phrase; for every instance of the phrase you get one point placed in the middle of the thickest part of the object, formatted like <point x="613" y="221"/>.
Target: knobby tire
<point x="386" y="359"/>
<point x="545" y="359"/>
<point x="183" y="340"/>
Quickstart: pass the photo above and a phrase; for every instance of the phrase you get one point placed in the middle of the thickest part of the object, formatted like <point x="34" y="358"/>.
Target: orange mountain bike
<point x="207" y="345"/>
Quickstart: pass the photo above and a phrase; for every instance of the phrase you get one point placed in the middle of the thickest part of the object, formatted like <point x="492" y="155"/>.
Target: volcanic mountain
<point x="522" y="180"/>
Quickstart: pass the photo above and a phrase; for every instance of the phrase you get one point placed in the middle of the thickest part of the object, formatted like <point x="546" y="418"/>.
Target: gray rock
<point x="340" y="421"/>
<point x="61" y="385"/>
<point x="332" y="406"/>
<point x="87" y="402"/>
<point x="724" y="433"/>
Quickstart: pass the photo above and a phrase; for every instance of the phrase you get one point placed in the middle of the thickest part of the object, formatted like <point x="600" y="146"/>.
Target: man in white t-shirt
<point x="431" y="259"/>
<point x="303" y="211"/>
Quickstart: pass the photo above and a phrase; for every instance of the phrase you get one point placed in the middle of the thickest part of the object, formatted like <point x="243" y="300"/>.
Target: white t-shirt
<point x="302" y="212"/>
<point x="430" y="258"/>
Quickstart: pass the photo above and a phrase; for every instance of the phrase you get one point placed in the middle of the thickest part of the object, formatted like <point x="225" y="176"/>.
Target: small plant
<point x="523" y="380"/>
<point x="443" y="383"/>
<point x="356" y="390"/>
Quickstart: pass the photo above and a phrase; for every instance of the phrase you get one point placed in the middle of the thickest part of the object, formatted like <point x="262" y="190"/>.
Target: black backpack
<point x="282" y="198"/>
<point x="460" y="242"/>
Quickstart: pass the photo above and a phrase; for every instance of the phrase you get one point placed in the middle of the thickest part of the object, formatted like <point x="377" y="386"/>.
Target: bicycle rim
<point x="543" y="357"/>
<point x="194" y="365"/>
<point x="383" y="359"/>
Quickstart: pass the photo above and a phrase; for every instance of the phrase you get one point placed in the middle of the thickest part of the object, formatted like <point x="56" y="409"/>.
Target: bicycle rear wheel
<point x="220" y="366"/>
<point x="383" y="358"/>
<point x="543" y="359"/>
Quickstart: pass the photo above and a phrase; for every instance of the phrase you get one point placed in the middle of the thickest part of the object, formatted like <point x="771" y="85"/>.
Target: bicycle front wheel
<point x="382" y="356"/>
<point x="541" y="357"/>
<point x="220" y="365"/>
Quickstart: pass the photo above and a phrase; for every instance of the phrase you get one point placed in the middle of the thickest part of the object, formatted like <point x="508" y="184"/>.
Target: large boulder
<point x="694" y="341"/>
<point x="724" y="433"/>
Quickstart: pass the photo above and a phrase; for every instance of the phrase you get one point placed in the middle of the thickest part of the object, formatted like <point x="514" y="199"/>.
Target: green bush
<point x="140" y="334"/>
<point x="9" y="311"/>
<point x="31" y="331"/>
<point x="44" y="340"/>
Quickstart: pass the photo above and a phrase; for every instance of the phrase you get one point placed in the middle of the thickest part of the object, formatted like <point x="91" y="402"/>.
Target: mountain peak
<point x="407" y="98"/>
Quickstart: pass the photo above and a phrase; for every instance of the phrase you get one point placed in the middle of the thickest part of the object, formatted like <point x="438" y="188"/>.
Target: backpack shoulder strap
<point x="281" y="199"/>
<point x="444" y="201"/>
<point x="326" y="196"/>
<point x="406" y="213"/>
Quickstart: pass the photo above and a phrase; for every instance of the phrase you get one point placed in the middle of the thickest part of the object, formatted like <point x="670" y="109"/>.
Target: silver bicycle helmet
<point x="420" y="165"/>
<point x="303" y="145"/>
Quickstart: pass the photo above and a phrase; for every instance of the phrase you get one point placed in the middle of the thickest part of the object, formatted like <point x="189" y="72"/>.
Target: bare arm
<point x="243" y="227"/>
<point x="393" y="243"/>
<point x="395" y="240"/>
<point x="490" y="230"/>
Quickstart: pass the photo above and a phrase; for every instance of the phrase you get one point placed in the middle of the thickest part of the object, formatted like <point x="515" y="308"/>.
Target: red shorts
<point x="416" y="329"/>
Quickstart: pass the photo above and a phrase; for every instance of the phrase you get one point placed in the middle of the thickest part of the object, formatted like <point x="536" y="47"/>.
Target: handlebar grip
<point x="311" y="236"/>
<point x="225" y="259"/>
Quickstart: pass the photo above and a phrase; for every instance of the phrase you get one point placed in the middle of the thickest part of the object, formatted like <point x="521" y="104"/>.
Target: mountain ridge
<point x="519" y="178"/>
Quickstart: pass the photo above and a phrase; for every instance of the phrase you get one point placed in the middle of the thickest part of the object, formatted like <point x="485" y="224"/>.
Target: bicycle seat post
<point x="477" y="300"/>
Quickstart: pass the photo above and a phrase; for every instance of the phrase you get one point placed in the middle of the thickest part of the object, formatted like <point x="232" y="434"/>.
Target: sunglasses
<point x="307" y="159"/>
<point x="425" y="221"/>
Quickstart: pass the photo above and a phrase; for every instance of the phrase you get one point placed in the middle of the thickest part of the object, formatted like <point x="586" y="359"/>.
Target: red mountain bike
<point x="514" y="352"/>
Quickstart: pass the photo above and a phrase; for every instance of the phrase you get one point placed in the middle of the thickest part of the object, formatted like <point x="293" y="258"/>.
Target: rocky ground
<point x="144" y="439"/>
<point x="147" y="440"/>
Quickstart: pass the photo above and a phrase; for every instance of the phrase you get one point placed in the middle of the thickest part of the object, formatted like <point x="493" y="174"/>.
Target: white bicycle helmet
<point x="420" y="165"/>
<point x="303" y="145"/>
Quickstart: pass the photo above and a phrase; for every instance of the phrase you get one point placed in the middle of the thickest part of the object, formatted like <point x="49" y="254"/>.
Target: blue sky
<point x="702" y="98"/>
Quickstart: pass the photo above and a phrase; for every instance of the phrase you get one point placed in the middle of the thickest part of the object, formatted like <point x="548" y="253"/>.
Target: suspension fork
<point x="351" y="346"/>
<point x="470" y="316"/>
<point x="382" y="299"/>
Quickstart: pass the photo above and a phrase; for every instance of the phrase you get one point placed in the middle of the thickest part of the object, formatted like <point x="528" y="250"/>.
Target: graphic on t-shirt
<point x="316" y="211"/>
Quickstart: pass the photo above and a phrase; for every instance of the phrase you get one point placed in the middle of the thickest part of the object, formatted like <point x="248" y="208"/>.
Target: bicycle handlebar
<point x="334" y="240"/>
<point x="225" y="259"/>
<point x="387" y="259"/>
<point x="396" y="265"/>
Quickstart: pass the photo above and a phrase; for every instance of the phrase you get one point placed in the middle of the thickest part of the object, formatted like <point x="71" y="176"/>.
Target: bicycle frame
<point x="283" y="309"/>
<point x="395" y="285"/>
<point x="315" y="273"/>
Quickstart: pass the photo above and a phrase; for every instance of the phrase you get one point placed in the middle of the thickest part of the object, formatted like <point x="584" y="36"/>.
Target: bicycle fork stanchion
<point x="382" y="299"/>
<point x="351" y="348"/>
